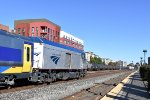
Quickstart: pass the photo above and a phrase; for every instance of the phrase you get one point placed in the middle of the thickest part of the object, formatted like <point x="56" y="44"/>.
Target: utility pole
<point x="141" y="60"/>
<point x="145" y="51"/>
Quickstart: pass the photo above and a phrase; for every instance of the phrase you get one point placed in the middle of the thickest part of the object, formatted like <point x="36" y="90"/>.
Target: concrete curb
<point x="115" y="91"/>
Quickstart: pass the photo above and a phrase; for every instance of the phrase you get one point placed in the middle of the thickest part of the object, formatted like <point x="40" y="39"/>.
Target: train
<point x="96" y="67"/>
<point x="38" y="60"/>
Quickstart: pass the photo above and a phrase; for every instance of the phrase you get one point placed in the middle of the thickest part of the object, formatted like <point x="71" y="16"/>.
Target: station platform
<point x="131" y="88"/>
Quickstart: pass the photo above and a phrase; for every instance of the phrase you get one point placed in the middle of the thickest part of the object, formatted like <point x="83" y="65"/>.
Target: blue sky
<point x="116" y="29"/>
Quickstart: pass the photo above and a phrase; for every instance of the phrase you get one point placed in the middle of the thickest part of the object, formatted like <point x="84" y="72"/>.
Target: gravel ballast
<point x="56" y="91"/>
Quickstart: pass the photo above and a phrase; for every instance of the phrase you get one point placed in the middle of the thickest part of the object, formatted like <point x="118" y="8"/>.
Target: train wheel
<point x="9" y="82"/>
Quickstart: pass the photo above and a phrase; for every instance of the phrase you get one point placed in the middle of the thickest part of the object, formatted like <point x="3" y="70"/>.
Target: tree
<point x="112" y="63"/>
<point x="95" y="60"/>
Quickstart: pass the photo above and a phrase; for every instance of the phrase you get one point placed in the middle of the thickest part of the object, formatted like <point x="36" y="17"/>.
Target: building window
<point x="58" y="34"/>
<point x="53" y="32"/>
<point x="36" y="31"/>
<point x="23" y="31"/>
<point x="32" y="30"/>
<point x="32" y="34"/>
<point x="65" y="41"/>
<point x="51" y="37"/>
<point x="19" y="31"/>
<point x="48" y="30"/>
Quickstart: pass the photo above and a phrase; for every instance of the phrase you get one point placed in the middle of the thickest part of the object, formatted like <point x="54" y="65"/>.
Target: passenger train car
<point x="38" y="60"/>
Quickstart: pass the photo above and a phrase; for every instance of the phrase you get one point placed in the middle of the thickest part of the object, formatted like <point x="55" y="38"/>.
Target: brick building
<point x="5" y="28"/>
<point x="70" y="40"/>
<point x="38" y="28"/>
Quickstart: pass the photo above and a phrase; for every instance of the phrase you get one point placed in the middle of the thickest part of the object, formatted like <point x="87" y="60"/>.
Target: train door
<point x="27" y="58"/>
<point x="68" y="60"/>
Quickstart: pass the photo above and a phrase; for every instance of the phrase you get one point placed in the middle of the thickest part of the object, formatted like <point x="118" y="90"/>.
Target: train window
<point x="83" y="55"/>
<point x="28" y="54"/>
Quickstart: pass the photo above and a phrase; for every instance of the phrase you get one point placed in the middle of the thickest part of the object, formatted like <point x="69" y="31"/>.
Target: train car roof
<point x="41" y="40"/>
<point x="14" y="35"/>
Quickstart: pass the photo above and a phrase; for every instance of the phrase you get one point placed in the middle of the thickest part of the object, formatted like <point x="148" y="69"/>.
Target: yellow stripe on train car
<point x="14" y="70"/>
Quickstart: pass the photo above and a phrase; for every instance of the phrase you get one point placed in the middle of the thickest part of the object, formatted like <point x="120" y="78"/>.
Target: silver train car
<point x="54" y="61"/>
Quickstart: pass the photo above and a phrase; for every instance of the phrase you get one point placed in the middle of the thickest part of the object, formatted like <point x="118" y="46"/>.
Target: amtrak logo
<point x="37" y="54"/>
<point x="55" y="59"/>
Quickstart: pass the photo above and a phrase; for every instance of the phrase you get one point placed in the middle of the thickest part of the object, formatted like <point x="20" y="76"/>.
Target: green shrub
<point x="148" y="80"/>
<point x="145" y="74"/>
<point x="143" y="71"/>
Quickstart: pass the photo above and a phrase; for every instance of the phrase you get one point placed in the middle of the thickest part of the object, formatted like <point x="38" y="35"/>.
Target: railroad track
<point x="61" y="89"/>
<point x="27" y="85"/>
<point x="98" y="91"/>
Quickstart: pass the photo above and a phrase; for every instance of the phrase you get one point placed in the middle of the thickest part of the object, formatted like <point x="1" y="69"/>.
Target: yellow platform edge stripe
<point x="115" y="91"/>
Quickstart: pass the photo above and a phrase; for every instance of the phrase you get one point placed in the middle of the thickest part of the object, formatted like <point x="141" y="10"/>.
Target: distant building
<point x="38" y="28"/>
<point x="70" y="40"/>
<point x="107" y="61"/>
<point x="125" y="64"/>
<point x="88" y="55"/>
<point x="122" y="63"/>
<point x="103" y="60"/>
<point x="4" y="28"/>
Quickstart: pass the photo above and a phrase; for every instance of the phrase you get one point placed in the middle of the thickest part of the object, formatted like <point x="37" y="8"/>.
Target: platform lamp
<point x="145" y="51"/>
<point x="141" y="60"/>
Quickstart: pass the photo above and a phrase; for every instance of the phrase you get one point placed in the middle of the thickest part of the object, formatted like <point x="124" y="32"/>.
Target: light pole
<point x="141" y="60"/>
<point x="145" y="51"/>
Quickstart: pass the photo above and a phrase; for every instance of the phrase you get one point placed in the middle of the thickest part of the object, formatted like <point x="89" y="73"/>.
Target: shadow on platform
<point x="133" y="90"/>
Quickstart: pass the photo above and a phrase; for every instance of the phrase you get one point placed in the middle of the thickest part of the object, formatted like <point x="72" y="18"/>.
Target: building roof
<point x="34" y="20"/>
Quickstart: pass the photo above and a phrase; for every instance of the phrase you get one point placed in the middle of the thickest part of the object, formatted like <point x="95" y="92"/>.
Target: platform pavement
<point x="131" y="88"/>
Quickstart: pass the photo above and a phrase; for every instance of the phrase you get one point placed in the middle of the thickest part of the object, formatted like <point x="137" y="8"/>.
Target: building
<point x="121" y="63"/>
<point x="38" y="28"/>
<point x="88" y="55"/>
<point x="125" y="64"/>
<point x="5" y="28"/>
<point x="107" y="60"/>
<point x="70" y="40"/>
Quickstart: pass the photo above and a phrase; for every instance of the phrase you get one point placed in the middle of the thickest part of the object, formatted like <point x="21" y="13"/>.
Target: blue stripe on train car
<point x="10" y="54"/>
<point x="3" y="68"/>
